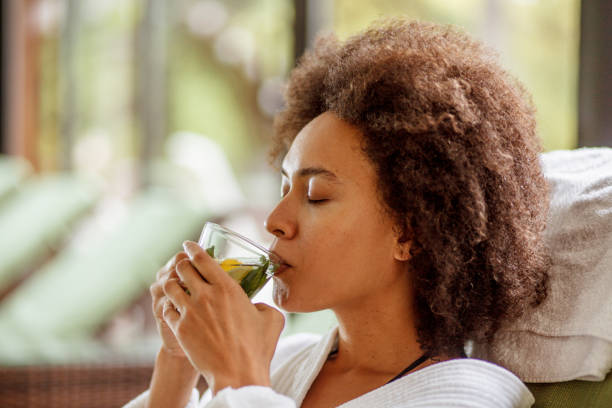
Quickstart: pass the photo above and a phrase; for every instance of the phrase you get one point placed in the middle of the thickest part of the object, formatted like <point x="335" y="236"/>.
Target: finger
<point x="266" y="308"/>
<point x="158" y="307"/>
<point x="175" y="293"/>
<point x="170" y="265"/>
<point x="157" y="299"/>
<point x="156" y="290"/>
<point x="170" y="314"/>
<point x="204" y="264"/>
<point x="174" y="275"/>
<point x="190" y="276"/>
<point x="272" y="314"/>
<point x="156" y="293"/>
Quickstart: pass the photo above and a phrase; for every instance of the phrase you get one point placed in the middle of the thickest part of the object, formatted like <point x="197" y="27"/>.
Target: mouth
<point x="283" y="267"/>
<point x="282" y="264"/>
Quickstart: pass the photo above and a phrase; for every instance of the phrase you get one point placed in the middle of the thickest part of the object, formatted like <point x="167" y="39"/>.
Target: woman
<point x="412" y="206"/>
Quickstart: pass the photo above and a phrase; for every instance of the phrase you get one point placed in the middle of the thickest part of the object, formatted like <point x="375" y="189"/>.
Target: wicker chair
<point x="72" y="386"/>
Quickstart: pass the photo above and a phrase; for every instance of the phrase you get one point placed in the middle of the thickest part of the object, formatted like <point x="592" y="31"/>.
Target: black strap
<point x="411" y="367"/>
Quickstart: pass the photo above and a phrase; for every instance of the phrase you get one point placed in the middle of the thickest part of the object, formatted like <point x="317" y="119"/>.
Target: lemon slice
<point x="229" y="263"/>
<point x="234" y="269"/>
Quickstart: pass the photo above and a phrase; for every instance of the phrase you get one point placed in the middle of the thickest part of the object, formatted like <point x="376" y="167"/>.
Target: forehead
<point x="331" y="143"/>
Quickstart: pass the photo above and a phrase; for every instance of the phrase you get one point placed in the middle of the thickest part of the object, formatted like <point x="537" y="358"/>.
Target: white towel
<point x="570" y="335"/>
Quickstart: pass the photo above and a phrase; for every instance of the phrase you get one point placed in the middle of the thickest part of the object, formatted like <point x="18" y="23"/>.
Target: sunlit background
<point x="129" y="123"/>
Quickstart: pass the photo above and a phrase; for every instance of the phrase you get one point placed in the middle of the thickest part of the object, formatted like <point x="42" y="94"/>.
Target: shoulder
<point x="290" y="346"/>
<point x="477" y="382"/>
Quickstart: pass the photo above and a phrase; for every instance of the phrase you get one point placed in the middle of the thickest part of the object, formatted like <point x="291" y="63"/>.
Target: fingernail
<point x="190" y="247"/>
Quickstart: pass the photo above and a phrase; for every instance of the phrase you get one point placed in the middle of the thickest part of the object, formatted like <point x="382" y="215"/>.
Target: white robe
<point x="298" y="359"/>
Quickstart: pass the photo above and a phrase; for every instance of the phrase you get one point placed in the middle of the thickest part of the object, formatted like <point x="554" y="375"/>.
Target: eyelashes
<point x="285" y="191"/>
<point x="311" y="201"/>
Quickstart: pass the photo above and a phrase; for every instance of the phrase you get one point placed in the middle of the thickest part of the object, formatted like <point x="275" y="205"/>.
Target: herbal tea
<point x="247" y="262"/>
<point x="251" y="273"/>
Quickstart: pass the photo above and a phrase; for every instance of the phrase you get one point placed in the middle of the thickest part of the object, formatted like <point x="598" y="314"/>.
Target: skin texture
<point x="346" y="255"/>
<point x="170" y="344"/>
<point x="231" y="342"/>
<point x="452" y="138"/>
<point x="428" y="235"/>
<point x="215" y="332"/>
<point x="344" y="236"/>
<point x="173" y="375"/>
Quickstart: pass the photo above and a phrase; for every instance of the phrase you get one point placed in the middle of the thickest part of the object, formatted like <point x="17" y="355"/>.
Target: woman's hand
<point x="169" y="343"/>
<point x="227" y="338"/>
<point x="173" y="376"/>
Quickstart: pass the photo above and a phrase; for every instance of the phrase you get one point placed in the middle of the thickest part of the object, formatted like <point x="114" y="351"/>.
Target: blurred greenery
<point x="212" y="89"/>
<point x="204" y="95"/>
<point x="93" y="277"/>
<point x="220" y="100"/>
<point x="204" y="98"/>
<point x="537" y="41"/>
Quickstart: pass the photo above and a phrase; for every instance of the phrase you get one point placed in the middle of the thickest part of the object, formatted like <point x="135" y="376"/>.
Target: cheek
<point x="353" y="256"/>
<point x="325" y="254"/>
<point x="335" y="263"/>
<point x="347" y="238"/>
<point x="343" y="255"/>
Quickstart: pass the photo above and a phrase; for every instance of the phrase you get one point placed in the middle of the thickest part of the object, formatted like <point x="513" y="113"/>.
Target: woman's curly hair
<point x="452" y="137"/>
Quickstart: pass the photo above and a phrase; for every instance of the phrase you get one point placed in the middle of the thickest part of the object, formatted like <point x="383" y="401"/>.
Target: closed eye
<point x="315" y="202"/>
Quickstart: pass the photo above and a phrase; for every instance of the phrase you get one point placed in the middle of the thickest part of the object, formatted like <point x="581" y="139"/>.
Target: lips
<point x="282" y="268"/>
<point x="283" y="264"/>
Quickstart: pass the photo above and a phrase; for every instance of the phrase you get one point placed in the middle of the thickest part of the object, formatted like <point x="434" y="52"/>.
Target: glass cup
<point x="247" y="262"/>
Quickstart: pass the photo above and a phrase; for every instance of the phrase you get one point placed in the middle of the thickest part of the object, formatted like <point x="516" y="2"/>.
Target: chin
<point x="280" y="294"/>
<point x="287" y="300"/>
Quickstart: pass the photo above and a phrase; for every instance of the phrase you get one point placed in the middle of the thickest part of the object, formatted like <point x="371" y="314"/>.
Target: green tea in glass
<point x="247" y="262"/>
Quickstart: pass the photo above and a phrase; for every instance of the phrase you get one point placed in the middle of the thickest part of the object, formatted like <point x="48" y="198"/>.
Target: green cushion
<point x="69" y="298"/>
<point x="571" y="394"/>
<point x="36" y="217"/>
<point x="13" y="170"/>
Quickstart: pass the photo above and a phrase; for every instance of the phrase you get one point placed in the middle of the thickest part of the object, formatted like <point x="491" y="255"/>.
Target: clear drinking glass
<point x="247" y="262"/>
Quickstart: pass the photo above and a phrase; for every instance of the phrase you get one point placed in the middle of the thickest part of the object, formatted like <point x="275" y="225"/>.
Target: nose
<point x="280" y="221"/>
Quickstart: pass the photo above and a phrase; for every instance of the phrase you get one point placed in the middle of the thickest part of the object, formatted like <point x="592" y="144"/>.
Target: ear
<point x="402" y="250"/>
<point x="403" y="244"/>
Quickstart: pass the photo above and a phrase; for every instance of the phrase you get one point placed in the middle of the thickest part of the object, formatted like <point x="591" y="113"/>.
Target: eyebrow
<point x="313" y="171"/>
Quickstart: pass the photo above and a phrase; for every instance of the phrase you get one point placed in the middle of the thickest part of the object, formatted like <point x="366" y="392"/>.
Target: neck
<point x="377" y="333"/>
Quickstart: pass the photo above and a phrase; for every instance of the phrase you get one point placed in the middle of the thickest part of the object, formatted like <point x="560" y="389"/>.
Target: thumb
<point x="271" y="314"/>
